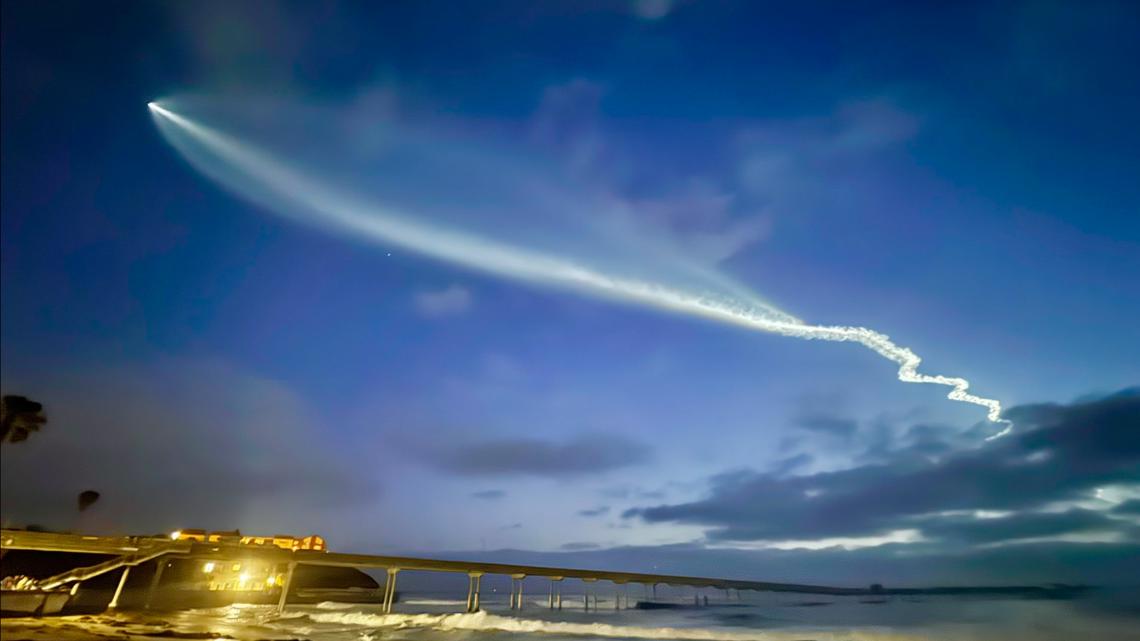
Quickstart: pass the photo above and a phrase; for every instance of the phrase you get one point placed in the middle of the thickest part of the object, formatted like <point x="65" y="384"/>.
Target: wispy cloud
<point x="449" y="301"/>
<point x="785" y="163"/>
<point x="488" y="495"/>
<point x="706" y="220"/>
<point x="583" y="454"/>
<point x="830" y="425"/>
<point x="627" y="491"/>
<point x="567" y="121"/>
<point x="652" y="9"/>
<point x="579" y="545"/>
<point x="792" y="463"/>
<point x="695" y="214"/>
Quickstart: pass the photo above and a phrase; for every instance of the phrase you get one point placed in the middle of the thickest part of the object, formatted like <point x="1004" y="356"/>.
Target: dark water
<point x="1103" y="615"/>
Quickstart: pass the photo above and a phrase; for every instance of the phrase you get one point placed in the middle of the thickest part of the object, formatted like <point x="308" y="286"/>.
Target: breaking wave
<point x="483" y="621"/>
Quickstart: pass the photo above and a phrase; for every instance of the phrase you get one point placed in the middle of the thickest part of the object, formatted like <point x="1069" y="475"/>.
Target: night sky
<point x="964" y="178"/>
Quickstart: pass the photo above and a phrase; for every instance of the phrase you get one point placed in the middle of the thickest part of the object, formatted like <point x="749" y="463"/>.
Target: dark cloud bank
<point x="1059" y="453"/>
<point x="1057" y="458"/>
<point x="894" y="565"/>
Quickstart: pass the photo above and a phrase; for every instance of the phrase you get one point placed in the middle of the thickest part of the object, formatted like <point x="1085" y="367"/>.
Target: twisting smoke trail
<point x="292" y="193"/>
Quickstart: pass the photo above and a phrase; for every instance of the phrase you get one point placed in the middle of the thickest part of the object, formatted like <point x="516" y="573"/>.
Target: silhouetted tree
<point x="19" y="417"/>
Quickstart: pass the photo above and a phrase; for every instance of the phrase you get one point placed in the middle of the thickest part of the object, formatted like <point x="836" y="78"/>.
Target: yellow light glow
<point x="176" y="534"/>
<point x="243" y="578"/>
<point x="270" y="581"/>
<point x="208" y="567"/>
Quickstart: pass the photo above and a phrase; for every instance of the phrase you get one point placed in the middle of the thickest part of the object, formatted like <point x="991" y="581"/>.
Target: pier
<point x="128" y="552"/>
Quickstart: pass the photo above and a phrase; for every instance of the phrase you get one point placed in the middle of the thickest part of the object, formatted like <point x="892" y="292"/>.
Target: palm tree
<point x="19" y="417"/>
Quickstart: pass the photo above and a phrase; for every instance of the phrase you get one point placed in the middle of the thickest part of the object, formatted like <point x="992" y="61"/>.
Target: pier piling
<point x="556" y="598"/>
<point x="160" y="566"/>
<point x="119" y="590"/>
<point x="285" y="587"/>
<point x="474" y="583"/>
<point x="390" y="590"/>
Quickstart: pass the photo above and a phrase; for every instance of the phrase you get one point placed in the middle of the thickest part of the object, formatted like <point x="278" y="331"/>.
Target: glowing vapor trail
<point x="273" y="184"/>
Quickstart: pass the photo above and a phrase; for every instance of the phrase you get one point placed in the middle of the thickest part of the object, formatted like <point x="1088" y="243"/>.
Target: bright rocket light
<point x="256" y="175"/>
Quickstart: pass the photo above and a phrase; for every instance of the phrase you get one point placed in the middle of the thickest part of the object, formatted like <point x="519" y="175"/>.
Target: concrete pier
<point x="131" y="551"/>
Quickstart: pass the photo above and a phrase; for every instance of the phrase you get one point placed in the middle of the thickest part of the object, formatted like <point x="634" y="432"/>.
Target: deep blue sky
<point x="962" y="177"/>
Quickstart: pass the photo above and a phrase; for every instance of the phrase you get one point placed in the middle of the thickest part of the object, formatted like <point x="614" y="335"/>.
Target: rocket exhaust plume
<point x="399" y="186"/>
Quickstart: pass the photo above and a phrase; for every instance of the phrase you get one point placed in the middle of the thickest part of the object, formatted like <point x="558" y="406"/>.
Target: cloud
<point x="179" y="443"/>
<point x="1131" y="507"/>
<point x="583" y="454"/>
<point x="652" y="9"/>
<point x="707" y="221"/>
<point x="792" y="463"/>
<point x="779" y="167"/>
<point x="239" y="45"/>
<point x="831" y="425"/>
<point x="579" y="545"/>
<point x="972" y="530"/>
<point x="892" y="565"/>
<point x="567" y="121"/>
<point x="450" y="301"/>
<point x="785" y="162"/>
<point x="695" y="214"/>
<point x="869" y="125"/>
<point x="1061" y="454"/>
<point x="627" y="491"/>
<point x="597" y="511"/>
<point x="488" y="495"/>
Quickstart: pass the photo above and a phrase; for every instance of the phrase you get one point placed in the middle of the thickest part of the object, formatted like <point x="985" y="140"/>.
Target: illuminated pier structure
<point x="130" y="552"/>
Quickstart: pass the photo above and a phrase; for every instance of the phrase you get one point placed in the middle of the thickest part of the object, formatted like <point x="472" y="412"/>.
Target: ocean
<point x="1103" y="615"/>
